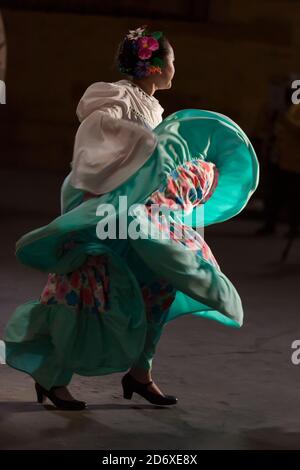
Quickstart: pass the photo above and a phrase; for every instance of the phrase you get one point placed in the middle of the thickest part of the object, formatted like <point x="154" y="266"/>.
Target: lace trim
<point x="137" y="113"/>
<point x="142" y="91"/>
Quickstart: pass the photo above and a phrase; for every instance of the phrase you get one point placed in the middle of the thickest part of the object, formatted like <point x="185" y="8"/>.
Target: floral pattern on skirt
<point x="158" y="297"/>
<point x="88" y="287"/>
<point x="85" y="288"/>
<point x="189" y="185"/>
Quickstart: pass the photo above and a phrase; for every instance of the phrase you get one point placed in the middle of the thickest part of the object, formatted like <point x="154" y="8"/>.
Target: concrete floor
<point x="236" y="389"/>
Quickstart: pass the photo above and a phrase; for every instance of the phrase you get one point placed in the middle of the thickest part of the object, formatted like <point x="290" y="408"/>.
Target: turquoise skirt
<point x="111" y="338"/>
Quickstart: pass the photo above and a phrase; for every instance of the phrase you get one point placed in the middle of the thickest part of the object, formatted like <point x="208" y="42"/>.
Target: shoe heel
<point x="39" y="394"/>
<point x="131" y="385"/>
<point x="128" y="394"/>
<point x="127" y="389"/>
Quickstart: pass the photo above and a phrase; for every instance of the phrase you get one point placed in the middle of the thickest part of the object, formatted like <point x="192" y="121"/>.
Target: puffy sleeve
<point x="108" y="147"/>
<point x="190" y="184"/>
<point x="108" y="97"/>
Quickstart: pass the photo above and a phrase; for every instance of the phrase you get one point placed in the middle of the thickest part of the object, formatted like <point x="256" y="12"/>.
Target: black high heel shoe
<point x="61" y="404"/>
<point x="131" y="385"/>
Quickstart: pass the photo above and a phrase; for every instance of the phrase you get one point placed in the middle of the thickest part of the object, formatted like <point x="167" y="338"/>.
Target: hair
<point x="129" y="63"/>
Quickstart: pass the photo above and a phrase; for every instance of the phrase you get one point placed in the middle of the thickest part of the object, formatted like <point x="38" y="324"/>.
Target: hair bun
<point x="142" y="52"/>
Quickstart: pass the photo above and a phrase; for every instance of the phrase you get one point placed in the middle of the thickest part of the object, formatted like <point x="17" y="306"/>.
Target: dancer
<point x="117" y="277"/>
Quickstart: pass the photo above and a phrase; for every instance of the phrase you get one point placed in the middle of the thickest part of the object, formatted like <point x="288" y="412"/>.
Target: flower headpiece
<point x="144" y="44"/>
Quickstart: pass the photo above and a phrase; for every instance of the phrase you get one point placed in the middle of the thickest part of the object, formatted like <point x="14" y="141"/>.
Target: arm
<point x="108" y="147"/>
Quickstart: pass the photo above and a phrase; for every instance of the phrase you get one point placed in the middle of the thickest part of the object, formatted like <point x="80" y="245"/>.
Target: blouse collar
<point x="142" y="94"/>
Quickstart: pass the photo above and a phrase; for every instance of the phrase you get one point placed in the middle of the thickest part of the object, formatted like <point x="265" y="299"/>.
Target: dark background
<point x="238" y="389"/>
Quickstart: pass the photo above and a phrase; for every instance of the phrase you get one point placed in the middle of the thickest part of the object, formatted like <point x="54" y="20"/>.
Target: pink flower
<point x="61" y="290"/>
<point x="45" y="294"/>
<point x="146" y="45"/>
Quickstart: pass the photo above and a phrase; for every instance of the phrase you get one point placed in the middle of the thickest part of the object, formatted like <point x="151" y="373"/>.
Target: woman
<point x="109" y="295"/>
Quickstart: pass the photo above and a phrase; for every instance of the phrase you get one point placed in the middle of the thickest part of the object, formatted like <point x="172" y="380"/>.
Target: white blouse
<point x="115" y="136"/>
